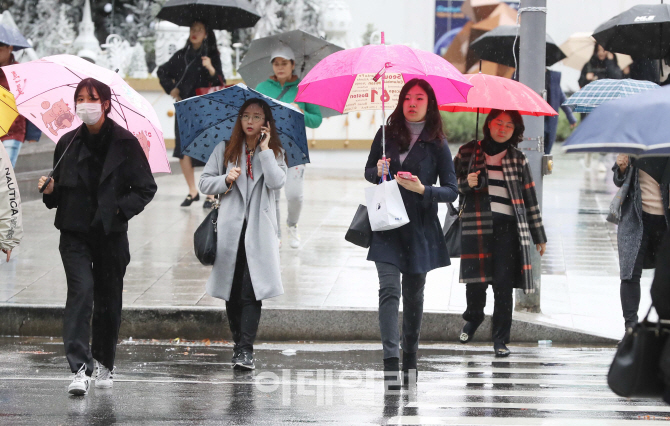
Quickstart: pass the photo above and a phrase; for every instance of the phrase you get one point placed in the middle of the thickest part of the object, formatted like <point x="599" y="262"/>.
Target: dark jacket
<point x="629" y="231"/>
<point x="555" y="98"/>
<point x="660" y="298"/>
<point x="477" y="219"/>
<point x="601" y="69"/>
<point x="419" y="246"/>
<point x="126" y="184"/>
<point x="177" y="73"/>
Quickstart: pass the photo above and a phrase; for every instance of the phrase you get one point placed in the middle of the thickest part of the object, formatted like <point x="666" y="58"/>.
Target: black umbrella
<point x="217" y="14"/>
<point x="642" y="31"/>
<point x="656" y="167"/>
<point x="496" y="46"/>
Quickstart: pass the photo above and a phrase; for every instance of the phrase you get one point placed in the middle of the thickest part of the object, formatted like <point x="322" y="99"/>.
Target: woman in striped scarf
<point x="500" y="216"/>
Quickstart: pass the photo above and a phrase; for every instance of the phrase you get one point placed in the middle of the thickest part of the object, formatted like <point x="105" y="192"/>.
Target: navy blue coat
<point x="555" y="98"/>
<point x="419" y="246"/>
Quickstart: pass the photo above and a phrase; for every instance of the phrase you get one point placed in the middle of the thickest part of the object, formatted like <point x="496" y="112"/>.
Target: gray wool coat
<point x="260" y="240"/>
<point x="629" y="232"/>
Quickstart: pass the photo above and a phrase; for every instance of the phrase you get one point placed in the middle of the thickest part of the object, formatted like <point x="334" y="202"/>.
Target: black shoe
<point x="189" y="200"/>
<point x="500" y="350"/>
<point x="245" y="361"/>
<point x="209" y="202"/>
<point x="391" y="374"/>
<point x="468" y="332"/>
<point x="409" y="366"/>
<point x="237" y="357"/>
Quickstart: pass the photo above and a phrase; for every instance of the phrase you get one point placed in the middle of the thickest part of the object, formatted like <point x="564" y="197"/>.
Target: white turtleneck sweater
<point x="415" y="129"/>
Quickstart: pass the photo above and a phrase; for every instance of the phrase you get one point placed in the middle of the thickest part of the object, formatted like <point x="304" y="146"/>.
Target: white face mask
<point x="89" y="113"/>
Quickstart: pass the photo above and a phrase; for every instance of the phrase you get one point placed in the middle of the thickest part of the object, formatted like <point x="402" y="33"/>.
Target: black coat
<point x="126" y="184"/>
<point x="194" y="76"/>
<point x="607" y="68"/>
<point x="419" y="246"/>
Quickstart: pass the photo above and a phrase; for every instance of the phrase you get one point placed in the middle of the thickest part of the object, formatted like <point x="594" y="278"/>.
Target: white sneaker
<point x="105" y="377"/>
<point x="293" y="236"/>
<point x="80" y="383"/>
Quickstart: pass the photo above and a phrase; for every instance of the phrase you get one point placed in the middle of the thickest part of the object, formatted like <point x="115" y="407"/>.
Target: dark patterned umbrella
<point x="217" y="14"/>
<point x="204" y="121"/>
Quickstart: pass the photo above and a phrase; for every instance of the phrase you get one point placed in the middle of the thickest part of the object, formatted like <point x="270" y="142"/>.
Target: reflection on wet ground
<point x="580" y="285"/>
<point x="161" y="382"/>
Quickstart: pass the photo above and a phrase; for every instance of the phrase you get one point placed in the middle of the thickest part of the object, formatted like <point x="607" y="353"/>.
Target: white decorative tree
<point x="223" y="40"/>
<point x="270" y="22"/>
<point x="52" y="33"/>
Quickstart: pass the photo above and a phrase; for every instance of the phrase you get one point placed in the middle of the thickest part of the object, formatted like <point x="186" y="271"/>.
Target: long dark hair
<point x="517" y="120"/>
<point x="104" y="92"/>
<point x="237" y="139"/>
<point x="209" y="44"/>
<point x="397" y="127"/>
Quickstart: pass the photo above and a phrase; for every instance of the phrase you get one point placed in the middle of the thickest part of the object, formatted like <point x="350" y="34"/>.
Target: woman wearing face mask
<point x="246" y="170"/>
<point x="102" y="181"/>
<point x="415" y="144"/>
<point x="500" y="215"/>
<point x="195" y="66"/>
<point x="283" y="86"/>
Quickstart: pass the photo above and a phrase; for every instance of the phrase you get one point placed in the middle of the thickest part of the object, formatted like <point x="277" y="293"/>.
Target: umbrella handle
<point x="46" y="183"/>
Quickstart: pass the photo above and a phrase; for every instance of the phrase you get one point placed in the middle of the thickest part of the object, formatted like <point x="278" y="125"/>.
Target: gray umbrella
<point x="309" y="50"/>
<point x="10" y="34"/>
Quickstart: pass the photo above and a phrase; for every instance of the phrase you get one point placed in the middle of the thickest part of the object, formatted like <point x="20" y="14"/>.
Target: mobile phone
<point x="406" y="175"/>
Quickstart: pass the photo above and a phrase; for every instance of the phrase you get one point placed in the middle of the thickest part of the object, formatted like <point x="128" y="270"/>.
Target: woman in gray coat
<point x="246" y="171"/>
<point x="644" y="219"/>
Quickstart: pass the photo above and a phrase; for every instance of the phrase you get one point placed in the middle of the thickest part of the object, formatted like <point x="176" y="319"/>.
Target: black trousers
<point x="506" y="253"/>
<point x="654" y="228"/>
<point x="243" y="310"/>
<point x="95" y="265"/>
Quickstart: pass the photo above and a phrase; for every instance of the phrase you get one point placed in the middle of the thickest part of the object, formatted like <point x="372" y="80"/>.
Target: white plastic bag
<point x="386" y="209"/>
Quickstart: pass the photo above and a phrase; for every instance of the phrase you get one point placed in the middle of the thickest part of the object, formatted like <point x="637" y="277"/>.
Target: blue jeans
<point x="13" y="148"/>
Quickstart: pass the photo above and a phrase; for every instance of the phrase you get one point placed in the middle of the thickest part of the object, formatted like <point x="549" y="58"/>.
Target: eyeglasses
<point x="254" y="118"/>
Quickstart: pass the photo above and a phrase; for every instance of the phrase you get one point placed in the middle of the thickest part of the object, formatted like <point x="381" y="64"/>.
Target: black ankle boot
<point x="408" y="364"/>
<point x="500" y="350"/>
<point x="391" y="374"/>
<point x="468" y="331"/>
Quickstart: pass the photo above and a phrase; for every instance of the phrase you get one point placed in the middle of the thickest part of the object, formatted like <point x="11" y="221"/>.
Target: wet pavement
<point x="188" y="383"/>
<point x="580" y="287"/>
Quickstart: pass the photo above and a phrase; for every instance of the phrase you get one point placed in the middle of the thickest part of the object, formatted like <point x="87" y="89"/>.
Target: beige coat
<point x="261" y="242"/>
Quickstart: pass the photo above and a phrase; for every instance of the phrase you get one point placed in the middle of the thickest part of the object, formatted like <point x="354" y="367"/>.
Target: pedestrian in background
<point x="247" y="170"/>
<point x="103" y="180"/>
<point x="555" y="98"/>
<point x="414" y="144"/>
<point x="283" y="86"/>
<point x="500" y="215"/>
<point x="21" y="130"/>
<point x="197" y="65"/>
<point x="644" y="220"/>
<point x="11" y="222"/>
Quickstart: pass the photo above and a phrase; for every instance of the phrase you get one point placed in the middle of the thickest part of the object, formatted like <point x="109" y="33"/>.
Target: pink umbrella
<point x="44" y="92"/>
<point x="348" y="80"/>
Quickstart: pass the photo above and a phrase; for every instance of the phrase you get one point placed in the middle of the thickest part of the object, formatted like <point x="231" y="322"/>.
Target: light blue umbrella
<point x="10" y="34"/>
<point x="638" y="125"/>
<point x="204" y="121"/>
<point x="595" y="93"/>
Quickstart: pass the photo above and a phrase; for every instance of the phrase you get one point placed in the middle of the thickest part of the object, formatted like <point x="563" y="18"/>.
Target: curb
<point x="277" y="324"/>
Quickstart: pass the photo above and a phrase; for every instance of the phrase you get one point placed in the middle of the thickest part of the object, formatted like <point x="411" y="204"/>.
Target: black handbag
<point x="636" y="371"/>
<point x="204" y="238"/>
<point x="360" y="232"/>
<point x="452" y="230"/>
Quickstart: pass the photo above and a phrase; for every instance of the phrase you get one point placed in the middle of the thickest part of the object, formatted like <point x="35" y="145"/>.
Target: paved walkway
<point x="580" y="285"/>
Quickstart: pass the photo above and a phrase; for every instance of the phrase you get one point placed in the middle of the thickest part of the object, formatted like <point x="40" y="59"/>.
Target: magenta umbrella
<point x="44" y="93"/>
<point x="370" y="77"/>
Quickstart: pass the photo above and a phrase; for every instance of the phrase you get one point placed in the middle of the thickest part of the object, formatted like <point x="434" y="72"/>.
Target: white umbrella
<point x="579" y="48"/>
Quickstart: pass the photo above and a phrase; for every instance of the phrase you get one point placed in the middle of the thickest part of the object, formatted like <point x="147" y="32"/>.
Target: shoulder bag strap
<point x="283" y="92"/>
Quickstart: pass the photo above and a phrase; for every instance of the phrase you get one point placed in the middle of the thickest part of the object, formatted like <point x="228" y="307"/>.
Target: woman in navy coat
<point x="416" y="144"/>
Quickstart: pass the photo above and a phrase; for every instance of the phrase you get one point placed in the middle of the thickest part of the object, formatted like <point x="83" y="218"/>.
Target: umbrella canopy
<point x="642" y="31"/>
<point x="579" y="49"/>
<point x="218" y="14"/>
<point x="308" y="50"/>
<point x="496" y="46"/>
<point x="204" y="121"/>
<point x="44" y="92"/>
<point x="595" y="93"/>
<point x="637" y="125"/>
<point x="10" y="34"/>
<point x="491" y="92"/>
<point x="8" y="111"/>
<point x="344" y="82"/>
